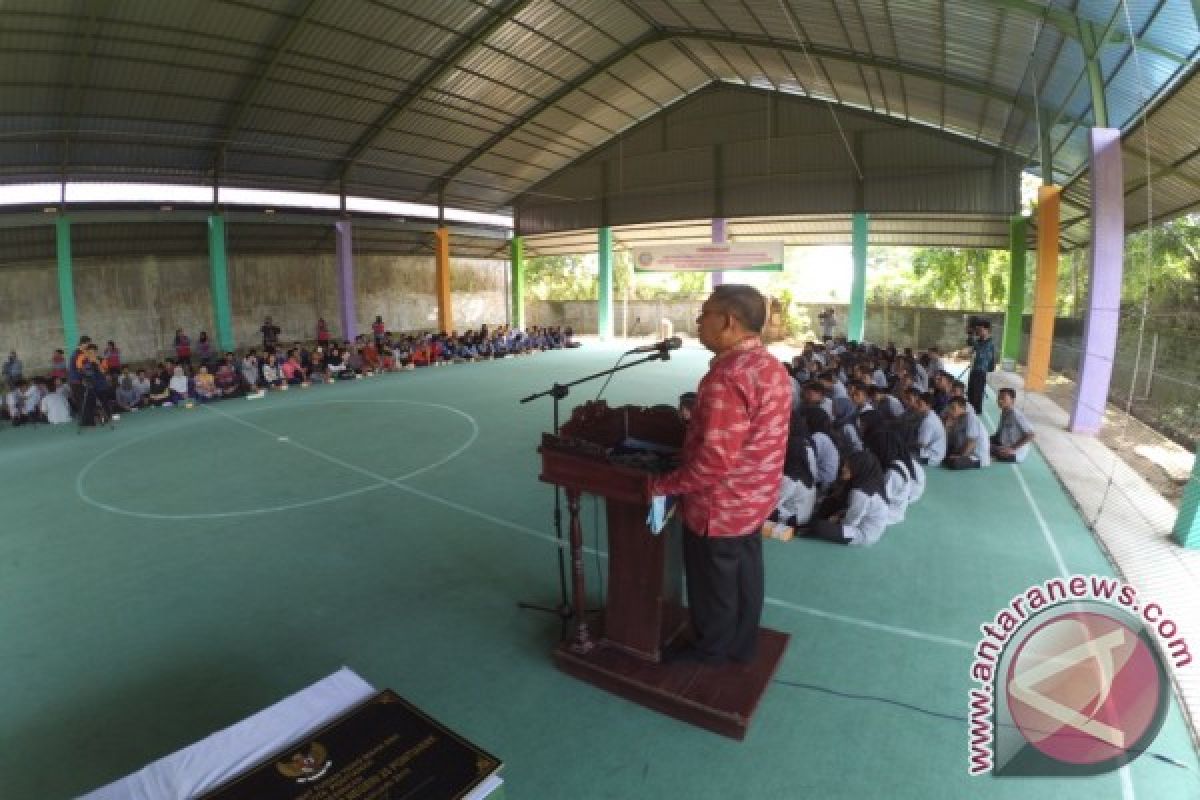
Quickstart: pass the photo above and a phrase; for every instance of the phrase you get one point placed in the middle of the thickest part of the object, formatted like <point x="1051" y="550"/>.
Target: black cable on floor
<point x="812" y="687"/>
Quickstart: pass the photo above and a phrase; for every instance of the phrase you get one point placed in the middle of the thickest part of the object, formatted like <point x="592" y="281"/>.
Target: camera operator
<point x="98" y="393"/>
<point x="828" y="319"/>
<point x="983" y="360"/>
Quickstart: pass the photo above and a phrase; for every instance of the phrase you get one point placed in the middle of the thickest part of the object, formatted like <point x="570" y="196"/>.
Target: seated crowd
<point x="866" y="422"/>
<point x="99" y="386"/>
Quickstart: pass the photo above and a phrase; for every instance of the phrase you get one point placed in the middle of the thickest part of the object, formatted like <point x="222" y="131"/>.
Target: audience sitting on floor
<point x="867" y="421"/>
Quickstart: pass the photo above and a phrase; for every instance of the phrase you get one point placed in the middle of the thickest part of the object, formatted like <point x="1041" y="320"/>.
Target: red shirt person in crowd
<point x="728" y="478"/>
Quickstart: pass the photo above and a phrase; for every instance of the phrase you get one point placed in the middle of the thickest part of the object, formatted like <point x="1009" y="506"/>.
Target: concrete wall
<point x="926" y="327"/>
<point x="140" y="301"/>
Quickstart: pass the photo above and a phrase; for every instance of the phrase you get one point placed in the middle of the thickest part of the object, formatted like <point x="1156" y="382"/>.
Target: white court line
<point x="879" y="626"/>
<point x="1127" y="791"/>
<point x="379" y="484"/>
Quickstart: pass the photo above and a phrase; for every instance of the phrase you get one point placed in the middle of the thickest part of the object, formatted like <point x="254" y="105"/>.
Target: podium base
<point x="720" y="699"/>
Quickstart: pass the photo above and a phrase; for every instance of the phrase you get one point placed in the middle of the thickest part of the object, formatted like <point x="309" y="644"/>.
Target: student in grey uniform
<point x="967" y="443"/>
<point x="887" y="443"/>
<point x="828" y="458"/>
<point x="887" y="404"/>
<point x="864" y="519"/>
<point x="813" y="396"/>
<point x="931" y="433"/>
<point x="1011" y="441"/>
<point x="797" y="485"/>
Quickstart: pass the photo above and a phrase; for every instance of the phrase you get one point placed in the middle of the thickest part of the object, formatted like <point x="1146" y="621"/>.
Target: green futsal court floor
<point x="166" y="579"/>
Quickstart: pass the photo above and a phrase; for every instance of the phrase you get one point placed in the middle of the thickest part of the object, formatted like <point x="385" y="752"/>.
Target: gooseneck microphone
<point x="674" y="343"/>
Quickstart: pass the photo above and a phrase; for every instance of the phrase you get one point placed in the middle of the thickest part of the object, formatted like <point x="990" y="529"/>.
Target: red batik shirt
<point x="733" y="452"/>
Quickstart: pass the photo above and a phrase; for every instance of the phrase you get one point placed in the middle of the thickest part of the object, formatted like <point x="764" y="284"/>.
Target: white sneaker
<point x="116" y="417"/>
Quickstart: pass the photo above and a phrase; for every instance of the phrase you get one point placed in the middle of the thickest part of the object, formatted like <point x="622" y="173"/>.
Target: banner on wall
<point x="731" y="257"/>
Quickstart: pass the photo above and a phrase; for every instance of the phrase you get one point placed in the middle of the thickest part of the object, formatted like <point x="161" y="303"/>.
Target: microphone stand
<point x="558" y="391"/>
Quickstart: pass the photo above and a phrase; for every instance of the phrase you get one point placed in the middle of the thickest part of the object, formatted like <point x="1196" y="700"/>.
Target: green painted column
<point x="857" y="323"/>
<point x="1011" y="348"/>
<point x="518" y="281"/>
<point x="66" y="282"/>
<point x="218" y="266"/>
<point x="604" y="307"/>
<point x="1187" y="524"/>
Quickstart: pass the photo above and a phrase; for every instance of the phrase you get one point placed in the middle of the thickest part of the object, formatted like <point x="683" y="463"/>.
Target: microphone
<point x="674" y="343"/>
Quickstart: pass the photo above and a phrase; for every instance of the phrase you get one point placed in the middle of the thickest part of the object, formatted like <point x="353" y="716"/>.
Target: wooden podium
<point x="644" y="614"/>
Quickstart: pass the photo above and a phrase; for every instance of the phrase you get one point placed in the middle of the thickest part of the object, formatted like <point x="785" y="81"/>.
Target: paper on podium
<point x="661" y="509"/>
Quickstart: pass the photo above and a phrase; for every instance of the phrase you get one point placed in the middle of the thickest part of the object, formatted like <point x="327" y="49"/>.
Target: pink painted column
<point x="1104" y="287"/>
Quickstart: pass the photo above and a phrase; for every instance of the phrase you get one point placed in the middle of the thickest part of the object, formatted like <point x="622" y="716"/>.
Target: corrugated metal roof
<point x="333" y="82"/>
<point x="1168" y="158"/>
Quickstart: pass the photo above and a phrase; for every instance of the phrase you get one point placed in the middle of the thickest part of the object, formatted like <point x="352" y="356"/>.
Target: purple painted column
<point x="345" y="269"/>
<point x="719" y="236"/>
<point x="1104" y="287"/>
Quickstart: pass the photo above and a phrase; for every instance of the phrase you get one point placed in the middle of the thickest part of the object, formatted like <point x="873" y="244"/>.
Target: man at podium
<point x="728" y="476"/>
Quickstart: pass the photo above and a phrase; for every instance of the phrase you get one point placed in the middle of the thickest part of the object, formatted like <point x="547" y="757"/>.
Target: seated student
<point x="55" y="405"/>
<point x="180" y="389"/>
<point x="160" y="388"/>
<point x="271" y="376"/>
<point x="935" y="361"/>
<point x="813" y="395"/>
<point x="930" y="431"/>
<point x="318" y="370"/>
<point x="14" y="402"/>
<point x="354" y="363"/>
<point x="843" y="409"/>
<point x="204" y="385"/>
<point x="226" y="377"/>
<point x="797" y="485"/>
<point x="335" y="365"/>
<point x="864" y="519"/>
<point x="967" y="443"/>
<point x="370" y="357"/>
<point x="920" y="375"/>
<point x="941" y="392"/>
<point x="128" y="398"/>
<point x="828" y="457"/>
<point x="899" y="472"/>
<point x="1011" y="441"/>
<point x="422" y="354"/>
<point x="141" y="384"/>
<point x="290" y="370"/>
<point x="402" y="353"/>
<point x="879" y="377"/>
<point x="888" y="406"/>
<point x="251" y="371"/>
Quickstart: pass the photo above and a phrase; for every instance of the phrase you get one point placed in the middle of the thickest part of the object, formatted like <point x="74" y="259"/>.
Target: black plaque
<point x="384" y="749"/>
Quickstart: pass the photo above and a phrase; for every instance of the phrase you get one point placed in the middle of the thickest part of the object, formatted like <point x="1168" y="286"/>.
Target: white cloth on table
<point x="210" y="762"/>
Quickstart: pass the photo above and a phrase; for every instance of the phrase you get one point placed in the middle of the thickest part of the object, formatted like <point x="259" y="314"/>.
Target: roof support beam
<point x="597" y="69"/>
<point x="876" y="62"/>
<point x="1071" y="25"/>
<point x="246" y="99"/>
<point x="1091" y="51"/>
<point x="435" y="72"/>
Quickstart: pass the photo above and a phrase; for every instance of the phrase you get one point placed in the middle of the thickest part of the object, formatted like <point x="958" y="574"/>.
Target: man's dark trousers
<point x="725" y="593"/>
<point x="976" y="383"/>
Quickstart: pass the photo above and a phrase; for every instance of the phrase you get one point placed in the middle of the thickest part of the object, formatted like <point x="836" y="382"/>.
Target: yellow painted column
<point x="442" y="279"/>
<point x="1045" y="289"/>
